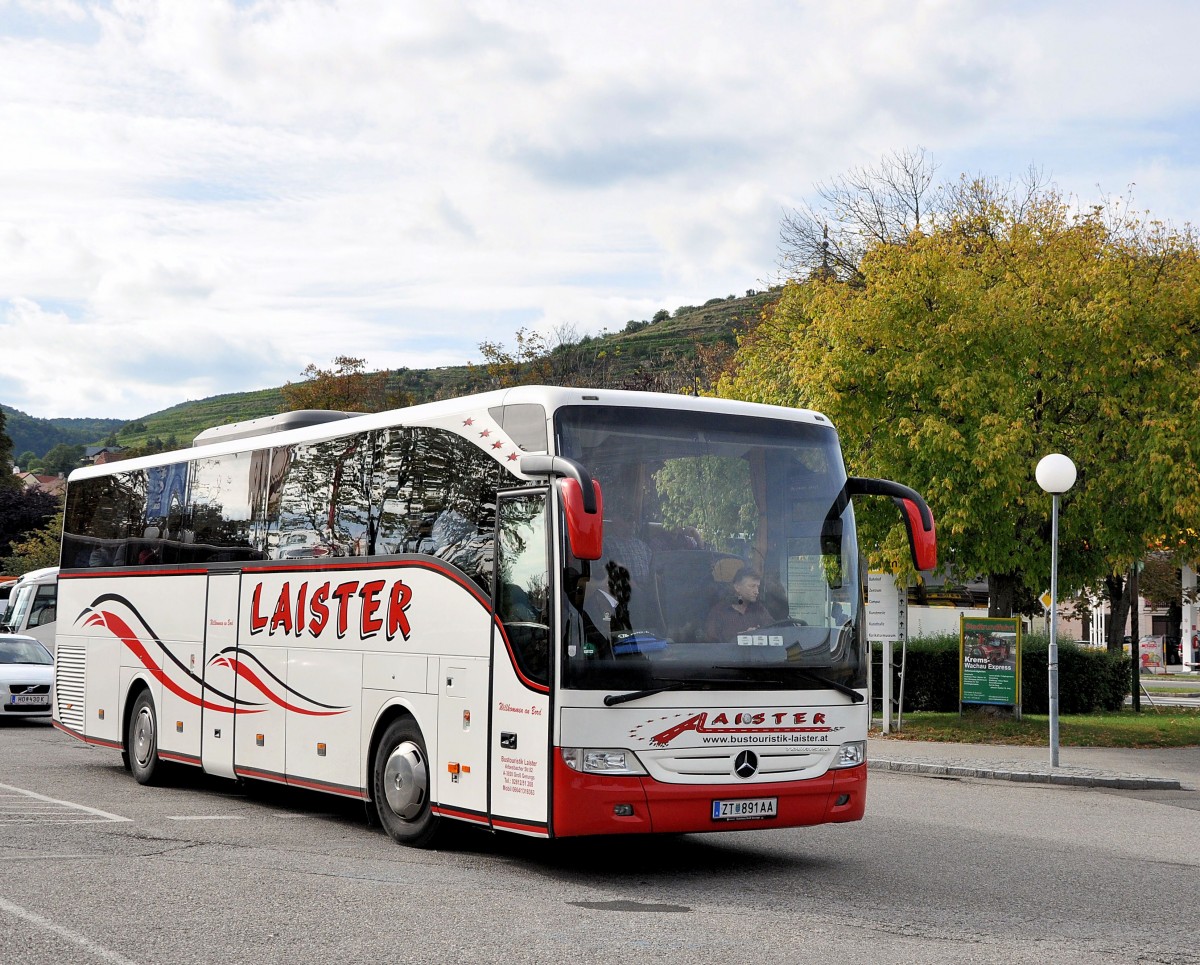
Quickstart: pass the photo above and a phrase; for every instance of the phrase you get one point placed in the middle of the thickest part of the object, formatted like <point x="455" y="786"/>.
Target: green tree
<point x="62" y="458"/>
<point x="21" y="512"/>
<point x="346" y="387"/>
<point x="40" y="547"/>
<point x="7" y="479"/>
<point x="28" y="459"/>
<point x="1010" y="327"/>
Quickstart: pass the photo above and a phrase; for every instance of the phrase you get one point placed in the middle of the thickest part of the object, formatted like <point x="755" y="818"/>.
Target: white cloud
<point x="203" y="197"/>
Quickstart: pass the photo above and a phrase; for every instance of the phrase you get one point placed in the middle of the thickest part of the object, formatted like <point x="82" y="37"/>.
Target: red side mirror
<point x="585" y="531"/>
<point x="923" y="540"/>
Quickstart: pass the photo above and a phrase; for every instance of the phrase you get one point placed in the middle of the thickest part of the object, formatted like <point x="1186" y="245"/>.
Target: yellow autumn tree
<point x="1008" y="327"/>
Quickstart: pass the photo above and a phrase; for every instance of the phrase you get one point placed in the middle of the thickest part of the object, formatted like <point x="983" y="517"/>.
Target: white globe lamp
<point x="1055" y="474"/>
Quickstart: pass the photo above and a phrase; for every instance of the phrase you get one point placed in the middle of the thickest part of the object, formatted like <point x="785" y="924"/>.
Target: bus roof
<point x="276" y="431"/>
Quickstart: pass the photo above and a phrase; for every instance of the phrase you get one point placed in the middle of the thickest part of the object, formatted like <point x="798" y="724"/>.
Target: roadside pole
<point x="1135" y="646"/>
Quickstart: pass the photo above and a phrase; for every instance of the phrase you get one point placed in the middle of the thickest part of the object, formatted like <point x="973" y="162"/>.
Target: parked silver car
<point x="26" y="677"/>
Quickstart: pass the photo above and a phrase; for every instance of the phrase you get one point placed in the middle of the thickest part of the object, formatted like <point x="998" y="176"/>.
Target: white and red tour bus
<point x="544" y="610"/>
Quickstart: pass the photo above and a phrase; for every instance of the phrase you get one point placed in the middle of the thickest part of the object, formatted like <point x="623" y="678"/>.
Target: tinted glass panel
<point x="729" y="551"/>
<point x="219" y="527"/>
<point x="523" y="583"/>
<point x="105" y="520"/>
<point x="437" y="495"/>
<point x="321" y="493"/>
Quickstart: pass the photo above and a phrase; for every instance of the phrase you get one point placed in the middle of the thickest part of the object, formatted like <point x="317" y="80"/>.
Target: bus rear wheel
<point x="400" y="780"/>
<point x="141" y="740"/>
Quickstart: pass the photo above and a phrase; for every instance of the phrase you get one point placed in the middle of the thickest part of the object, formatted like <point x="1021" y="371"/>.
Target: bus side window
<point x="523" y="582"/>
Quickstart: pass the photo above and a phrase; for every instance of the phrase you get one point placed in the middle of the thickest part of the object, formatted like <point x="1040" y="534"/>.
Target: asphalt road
<point x="94" y="868"/>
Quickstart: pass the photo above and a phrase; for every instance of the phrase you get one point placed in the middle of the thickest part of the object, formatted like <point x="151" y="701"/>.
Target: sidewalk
<point x="1159" y="769"/>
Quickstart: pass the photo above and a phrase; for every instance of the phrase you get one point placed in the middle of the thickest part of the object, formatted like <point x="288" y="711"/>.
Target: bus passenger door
<point x="220" y="672"/>
<point x="521" y="642"/>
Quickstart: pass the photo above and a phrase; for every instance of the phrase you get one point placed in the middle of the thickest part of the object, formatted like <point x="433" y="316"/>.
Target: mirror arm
<point x="562" y="466"/>
<point x="861" y="486"/>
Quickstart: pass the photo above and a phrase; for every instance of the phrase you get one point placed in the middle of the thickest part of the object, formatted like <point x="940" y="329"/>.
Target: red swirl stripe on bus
<point x="118" y="627"/>
<point x="239" y="667"/>
<point x="123" y="632"/>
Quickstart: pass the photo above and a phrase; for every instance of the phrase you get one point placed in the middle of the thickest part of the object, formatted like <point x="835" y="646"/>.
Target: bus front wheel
<point x="141" y="740"/>
<point x="400" y="785"/>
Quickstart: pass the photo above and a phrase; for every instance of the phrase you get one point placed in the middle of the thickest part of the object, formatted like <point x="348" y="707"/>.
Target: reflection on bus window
<point x="523" y="583"/>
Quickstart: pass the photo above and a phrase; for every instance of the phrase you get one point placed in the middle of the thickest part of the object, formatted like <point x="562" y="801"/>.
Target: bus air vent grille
<point x="70" y="669"/>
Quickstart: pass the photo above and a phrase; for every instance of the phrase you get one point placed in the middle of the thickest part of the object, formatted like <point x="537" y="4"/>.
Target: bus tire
<point x="141" y="740"/>
<point x="400" y="782"/>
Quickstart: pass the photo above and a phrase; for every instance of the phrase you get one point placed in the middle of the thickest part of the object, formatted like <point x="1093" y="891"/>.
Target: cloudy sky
<point x="203" y="196"/>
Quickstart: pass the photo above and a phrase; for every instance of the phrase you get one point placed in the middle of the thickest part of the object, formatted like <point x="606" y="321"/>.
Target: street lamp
<point x="1055" y="474"/>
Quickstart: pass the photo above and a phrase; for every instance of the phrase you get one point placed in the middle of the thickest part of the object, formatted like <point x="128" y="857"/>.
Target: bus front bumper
<point x="594" y="804"/>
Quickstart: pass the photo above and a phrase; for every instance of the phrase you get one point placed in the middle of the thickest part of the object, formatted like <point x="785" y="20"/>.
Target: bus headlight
<point x="850" y="755"/>
<point x="602" y="760"/>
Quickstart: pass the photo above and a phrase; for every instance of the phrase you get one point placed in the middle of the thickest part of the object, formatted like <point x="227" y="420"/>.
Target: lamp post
<point x="1055" y="474"/>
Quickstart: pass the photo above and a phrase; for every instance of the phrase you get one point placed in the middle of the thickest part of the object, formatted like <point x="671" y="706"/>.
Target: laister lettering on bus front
<point x="309" y="608"/>
<point x="787" y="726"/>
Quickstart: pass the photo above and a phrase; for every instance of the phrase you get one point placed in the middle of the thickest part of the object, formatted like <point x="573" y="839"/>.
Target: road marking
<point x="24" y="856"/>
<point x="99" y="951"/>
<point x="69" y="805"/>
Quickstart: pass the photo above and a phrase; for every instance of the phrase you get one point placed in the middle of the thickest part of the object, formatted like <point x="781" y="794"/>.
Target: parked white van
<point x="33" y="606"/>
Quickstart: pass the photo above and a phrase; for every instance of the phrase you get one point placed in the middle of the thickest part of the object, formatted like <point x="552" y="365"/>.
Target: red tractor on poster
<point x="995" y="648"/>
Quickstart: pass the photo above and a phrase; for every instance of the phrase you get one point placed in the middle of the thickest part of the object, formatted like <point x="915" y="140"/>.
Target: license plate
<point x="35" y="700"/>
<point x="745" y="809"/>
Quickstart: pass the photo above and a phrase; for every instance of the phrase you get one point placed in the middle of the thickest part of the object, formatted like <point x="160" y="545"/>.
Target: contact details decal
<point x="739" y="727"/>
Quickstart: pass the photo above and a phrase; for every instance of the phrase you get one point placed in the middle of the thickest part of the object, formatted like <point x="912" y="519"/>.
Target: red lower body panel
<point x="585" y="803"/>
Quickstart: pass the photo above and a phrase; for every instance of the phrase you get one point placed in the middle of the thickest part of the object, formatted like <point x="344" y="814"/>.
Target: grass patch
<point x="1153" y="727"/>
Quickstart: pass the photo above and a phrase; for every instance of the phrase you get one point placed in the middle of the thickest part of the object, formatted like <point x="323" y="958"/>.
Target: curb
<point x="1062" y="776"/>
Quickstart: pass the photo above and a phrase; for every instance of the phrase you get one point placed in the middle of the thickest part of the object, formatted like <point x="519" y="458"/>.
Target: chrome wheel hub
<point x="406" y="780"/>
<point x="143" y="737"/>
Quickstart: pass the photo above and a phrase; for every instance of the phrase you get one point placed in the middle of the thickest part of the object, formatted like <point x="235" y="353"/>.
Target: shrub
<point x="1088" y="680"/>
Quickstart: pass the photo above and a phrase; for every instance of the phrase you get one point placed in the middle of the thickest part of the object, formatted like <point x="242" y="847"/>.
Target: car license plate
<point x="35" y="700"/>
<point x="745" y="809"/>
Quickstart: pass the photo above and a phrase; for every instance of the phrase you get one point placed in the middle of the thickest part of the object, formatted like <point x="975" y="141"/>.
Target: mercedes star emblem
<point x="745" y="764"/>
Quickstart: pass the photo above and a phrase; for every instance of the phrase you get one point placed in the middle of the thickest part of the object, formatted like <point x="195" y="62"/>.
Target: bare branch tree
<point x="884" y="204"/>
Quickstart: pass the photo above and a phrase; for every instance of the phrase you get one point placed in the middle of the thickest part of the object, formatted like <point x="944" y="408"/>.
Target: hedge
<point x="1088" y="680"/>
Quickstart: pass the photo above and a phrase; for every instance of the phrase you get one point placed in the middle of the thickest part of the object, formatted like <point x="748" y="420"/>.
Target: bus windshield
<point x="730" y="554"/>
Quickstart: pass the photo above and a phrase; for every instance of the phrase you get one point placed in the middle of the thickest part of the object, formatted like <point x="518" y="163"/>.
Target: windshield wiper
<point x="854" y="695"/>
<point x="613" y="699"/>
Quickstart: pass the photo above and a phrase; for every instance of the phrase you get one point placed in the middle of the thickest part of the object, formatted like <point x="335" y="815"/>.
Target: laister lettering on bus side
<point x="319" y="608"/>
<point x="282" y="617"/>
<point x="397" y="618"/>
<point x="301" y="595"/>
<point x="343" y="593"/>
<point x="257" y="623"/>
<point x="299" y="611"/>
<point x="370" y="624"/>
